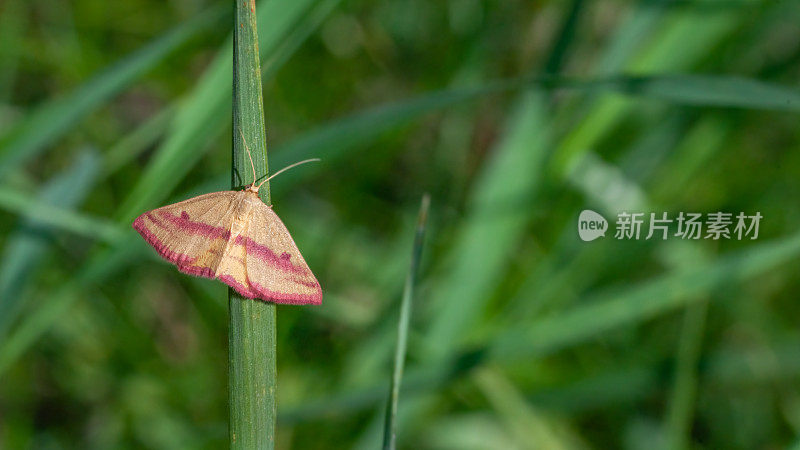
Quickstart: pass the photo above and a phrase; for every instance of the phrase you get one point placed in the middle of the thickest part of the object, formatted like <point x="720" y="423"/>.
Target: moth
<point x="236" y="238"/>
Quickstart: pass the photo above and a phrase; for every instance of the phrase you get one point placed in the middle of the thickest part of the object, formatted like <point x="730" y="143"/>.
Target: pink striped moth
<point x="236" y="238"/>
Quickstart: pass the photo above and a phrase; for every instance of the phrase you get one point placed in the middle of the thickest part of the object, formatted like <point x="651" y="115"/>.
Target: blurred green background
<point x="514" y="116"/>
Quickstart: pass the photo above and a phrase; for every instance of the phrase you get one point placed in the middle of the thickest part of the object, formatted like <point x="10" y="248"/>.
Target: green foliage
<point x="27" y="245"/>
<point x="49" y="121"/>
<point x="515" y="116"/>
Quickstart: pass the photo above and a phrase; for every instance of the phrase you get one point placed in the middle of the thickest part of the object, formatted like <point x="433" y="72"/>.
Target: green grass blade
<point x="532" y="427"/>
<point x="12" y="21"/>
<point x="26" y="246"/>
<point x="684" y="390"/>
<point x="390" y="423"/>
<point x="566" y="38"/>
<point x="667" y="51"/>
<point x="297" y="36"/>
<point x="57" y="217"/>
<point x="649" y="299"/>
<point x="252" y="349"/>
<point x="132" y="145"/>
<point x="41" y="319"/>
<point x="334" y="140"/>
<point x="708" y="90"/>
<point x="51" y="120"/>
<point x="486" y="238"/>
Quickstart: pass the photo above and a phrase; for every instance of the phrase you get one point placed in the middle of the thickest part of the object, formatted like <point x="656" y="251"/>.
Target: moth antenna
<point x="287" y="168"/>
<point x="249" y="155"/>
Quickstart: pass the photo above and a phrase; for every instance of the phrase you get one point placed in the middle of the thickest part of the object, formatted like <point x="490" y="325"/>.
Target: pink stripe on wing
<point x="266" y="254"/>
<point x="298" y="280"/>
<point x="185" y="263"/>
<point x="183" y="223"/>
<point x="171" y="256"/>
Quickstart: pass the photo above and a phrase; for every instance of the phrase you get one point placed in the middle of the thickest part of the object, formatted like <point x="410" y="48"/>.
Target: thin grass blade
<point x="36" y="210"/>
<point x="390" y="424"/>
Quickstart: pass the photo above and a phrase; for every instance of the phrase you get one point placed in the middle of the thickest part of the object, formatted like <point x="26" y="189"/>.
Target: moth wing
<point x="191" y="234"/>
<point x="275" y="268"/>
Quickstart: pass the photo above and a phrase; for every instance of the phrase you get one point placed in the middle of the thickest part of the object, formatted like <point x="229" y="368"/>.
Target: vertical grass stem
<point x="251" y="338"/>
